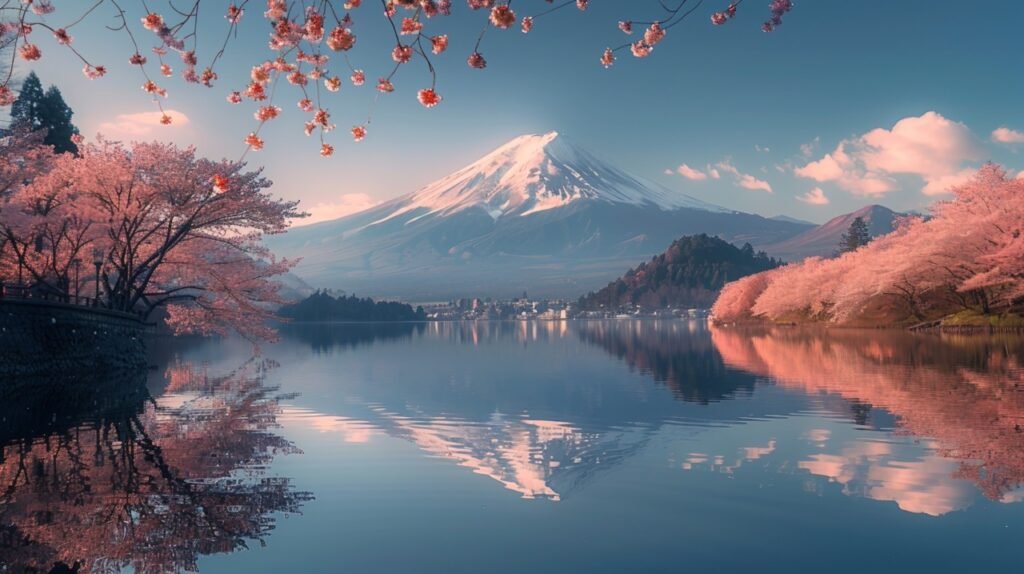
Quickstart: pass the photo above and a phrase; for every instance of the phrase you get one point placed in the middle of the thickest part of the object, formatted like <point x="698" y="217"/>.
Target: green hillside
<point x="689" y="274"/>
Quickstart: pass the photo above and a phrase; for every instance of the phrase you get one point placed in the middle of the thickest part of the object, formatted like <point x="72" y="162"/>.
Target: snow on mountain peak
<point x="538" y="172"/>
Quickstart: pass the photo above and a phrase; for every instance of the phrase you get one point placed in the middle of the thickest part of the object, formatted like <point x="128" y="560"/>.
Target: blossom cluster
<point x="309" y="43"/>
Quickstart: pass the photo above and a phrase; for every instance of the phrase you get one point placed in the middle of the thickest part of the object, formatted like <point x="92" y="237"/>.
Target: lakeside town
<point x="526" y="309"/>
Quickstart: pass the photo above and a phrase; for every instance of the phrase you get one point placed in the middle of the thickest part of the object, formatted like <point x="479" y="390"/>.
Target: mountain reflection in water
<point x="493" y="398"/>
<point x="425" y="439"/>
<point x="93" y="468"/>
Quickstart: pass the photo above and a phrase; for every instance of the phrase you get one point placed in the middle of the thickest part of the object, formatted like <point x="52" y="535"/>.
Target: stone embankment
<point x="39" y="337"/>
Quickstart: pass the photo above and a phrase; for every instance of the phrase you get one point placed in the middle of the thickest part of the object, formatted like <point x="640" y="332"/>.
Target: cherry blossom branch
<point x="298" y="32"/>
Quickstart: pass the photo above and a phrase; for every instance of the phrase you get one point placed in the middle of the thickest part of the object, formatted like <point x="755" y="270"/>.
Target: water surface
<point x="602" y="446"/>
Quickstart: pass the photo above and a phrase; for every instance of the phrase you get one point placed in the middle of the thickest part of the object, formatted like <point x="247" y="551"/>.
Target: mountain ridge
<point x="823" y="240"/>
<point x="538" y="213"/>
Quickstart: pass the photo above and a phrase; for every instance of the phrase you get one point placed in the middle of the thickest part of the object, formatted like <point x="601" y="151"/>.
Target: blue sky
<point x="769" y="106"/>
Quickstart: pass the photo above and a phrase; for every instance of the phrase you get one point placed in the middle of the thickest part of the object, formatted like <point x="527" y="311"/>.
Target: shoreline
<point x="937" y="328"/>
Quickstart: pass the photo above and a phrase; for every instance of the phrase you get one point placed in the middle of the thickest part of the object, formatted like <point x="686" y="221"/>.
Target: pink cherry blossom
<point x="30" y="52"/>
<point x="607" y="58"/>
<point x="429" y="98"/>
<point x="439" y="44"/>
<point x="476" y="60"/>
<point x="401" y="54"/>
<point x="254" y="142"/>
<point x="640" y="49"/>
<point x="502" y="16"/>
<point x="153" y="22"/>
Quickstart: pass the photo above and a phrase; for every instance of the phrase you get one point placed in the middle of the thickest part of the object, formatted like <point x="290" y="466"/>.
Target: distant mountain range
<point x="792" y="220"/>
<point x="538" y="214"/>
<point x="823" y="240"/>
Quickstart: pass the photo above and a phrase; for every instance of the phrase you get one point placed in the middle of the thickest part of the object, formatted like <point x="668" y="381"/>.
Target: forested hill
<point x="322" y="307"/>
<point x="689" y="274"/>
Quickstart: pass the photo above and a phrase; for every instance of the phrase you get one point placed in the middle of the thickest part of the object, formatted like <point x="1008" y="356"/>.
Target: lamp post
<point x="78" y="274"/>
<point x="97" y="260"/>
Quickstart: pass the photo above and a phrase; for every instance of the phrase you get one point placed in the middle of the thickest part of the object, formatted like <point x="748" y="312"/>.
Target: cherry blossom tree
<point x="31" y="160"/>
<point x="310" y="42"/>
<point x="736" y="301"/>
<point x="985" y="222"/>
<point x="173" y="231"/>
<point x="968" y="256"/>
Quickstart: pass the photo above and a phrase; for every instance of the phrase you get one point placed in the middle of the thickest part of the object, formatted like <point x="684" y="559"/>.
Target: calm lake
<point x="511" y="447"/>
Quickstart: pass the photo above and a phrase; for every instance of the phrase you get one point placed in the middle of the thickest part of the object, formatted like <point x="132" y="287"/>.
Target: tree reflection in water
<point x="119" y="479"/>
<point x="324" y="338"/>
<point x="964" y="393"/>
<point x="674" y="353"/>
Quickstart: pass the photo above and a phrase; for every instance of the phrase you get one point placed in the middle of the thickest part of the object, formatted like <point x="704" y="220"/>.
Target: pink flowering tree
<point x="968" y="256"/>
<point x="311" y="43"/>
<point x="984" y="227"/>
<point x="736" y="301"/>
<point x="171" y="231"/>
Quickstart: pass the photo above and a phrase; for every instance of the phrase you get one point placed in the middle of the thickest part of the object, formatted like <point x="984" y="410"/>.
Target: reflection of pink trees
<point x="312" y="43"/>
<point x="182" y="477"/>
<point x="963" y="392"/>
<point x="969" y="256"/>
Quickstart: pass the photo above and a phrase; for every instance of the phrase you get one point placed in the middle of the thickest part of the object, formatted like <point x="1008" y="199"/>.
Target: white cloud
<point x="827" y="168"/>
<point x="762" y="149"/>
<point x="1007" y="136"/>
<point x="928" y="146"/>
<point x="747" y="181"/>
<point x="347" y="204"/>
<point x="814" y="197"/>
<point x="744" y="180"/>
<point x="140" y="125"/>
<point x="944" y="184"/>
<point x="691" y="173"/>
<point x="808" y="148"/>
<point x="1020" y="174"/>
<point x="727" y="167"/>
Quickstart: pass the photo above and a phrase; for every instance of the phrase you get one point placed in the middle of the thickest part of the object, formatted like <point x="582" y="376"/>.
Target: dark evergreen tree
<point x="26" y="109"/>
<point x="57" y="118"/>
<point x="690" y="273"/>
<point x="38" y="110"/>
<point x="856" y="237"/>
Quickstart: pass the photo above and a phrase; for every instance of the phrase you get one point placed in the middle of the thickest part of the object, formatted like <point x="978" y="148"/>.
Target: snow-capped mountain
<point x="535" y="173"/>
<point x="539" y="214"/>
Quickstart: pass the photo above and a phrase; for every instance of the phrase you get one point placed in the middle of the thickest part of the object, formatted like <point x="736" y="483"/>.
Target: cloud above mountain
<point x="931" y="147"/>
<point x="1005" y="135"/>
<point x="744" y="180"/>
<point x="346" y="204"/>
<point x="691" y="173"/>
<point x="814" y="197"/>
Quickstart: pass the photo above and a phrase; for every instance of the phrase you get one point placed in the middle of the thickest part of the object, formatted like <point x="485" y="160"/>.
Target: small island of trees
<point x="322" y="306"/>
<point x="689" y="273"/>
